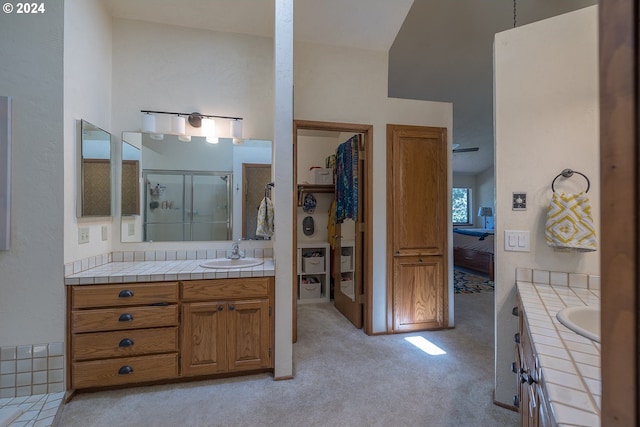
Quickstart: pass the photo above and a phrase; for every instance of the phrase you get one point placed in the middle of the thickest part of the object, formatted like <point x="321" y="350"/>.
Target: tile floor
<point x="37" y="410"/>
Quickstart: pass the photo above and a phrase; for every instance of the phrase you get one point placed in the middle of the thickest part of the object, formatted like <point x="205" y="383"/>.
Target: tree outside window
<point x="461" y="205"/>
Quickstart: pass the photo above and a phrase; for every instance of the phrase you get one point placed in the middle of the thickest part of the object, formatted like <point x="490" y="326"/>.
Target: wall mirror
<point x="94" y="182"/>
<point x="191" y="190"/>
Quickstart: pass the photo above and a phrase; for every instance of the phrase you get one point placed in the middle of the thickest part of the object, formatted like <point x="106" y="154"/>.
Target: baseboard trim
<point x="283" y="378"/>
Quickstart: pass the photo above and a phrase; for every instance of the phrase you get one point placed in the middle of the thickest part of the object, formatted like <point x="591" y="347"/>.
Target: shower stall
<point x="187" y="205"/>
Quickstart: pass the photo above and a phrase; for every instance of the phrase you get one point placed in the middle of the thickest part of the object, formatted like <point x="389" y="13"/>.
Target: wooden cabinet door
<point x="249" y="335"/>
<point x="204" y="344"/>
<point x="418" y="293"/>
<point x="417" y="211"/>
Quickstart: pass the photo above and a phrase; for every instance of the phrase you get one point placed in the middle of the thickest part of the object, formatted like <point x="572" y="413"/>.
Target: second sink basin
<point x="232" y="263"/>
<point x="583" y="320"/>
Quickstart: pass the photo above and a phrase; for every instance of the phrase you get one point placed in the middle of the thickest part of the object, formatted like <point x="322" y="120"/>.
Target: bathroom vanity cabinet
<point x="133" y="333"/>
<point x="226" y="326"/>
<point x="531" y="400"/>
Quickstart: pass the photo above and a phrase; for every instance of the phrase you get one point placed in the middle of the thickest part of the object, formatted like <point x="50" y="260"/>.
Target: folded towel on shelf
<point x="265" y="218"/>
<point x="569" y="226"/>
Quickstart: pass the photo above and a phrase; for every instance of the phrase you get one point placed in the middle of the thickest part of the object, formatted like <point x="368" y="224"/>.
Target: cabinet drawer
<point x="124" y="343"/>
<point x="196" y="290"/>
<point x="127" y="370"/>
<point x="110" y="319"/>
<point x="124" y="294"/>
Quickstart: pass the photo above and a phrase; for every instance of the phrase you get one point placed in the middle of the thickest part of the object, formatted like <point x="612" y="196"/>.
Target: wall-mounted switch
<point x="131" y="230"/>
<point x="83" y="235"/>
<point x="105" y="231"/>
<point x="517" y="241"/>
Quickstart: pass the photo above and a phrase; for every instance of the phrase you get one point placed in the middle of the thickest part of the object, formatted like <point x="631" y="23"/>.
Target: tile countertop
<point x="570" y="363"/>
<point x="158" y="271"/>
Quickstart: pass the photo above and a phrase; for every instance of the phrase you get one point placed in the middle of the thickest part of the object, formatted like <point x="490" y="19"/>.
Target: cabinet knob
<point x="125" y="342"/>
<point x="232" y="307"/>
<point x="220" y="307"/>
<point x="125" y="317"/>
<point x="125" y="293"/>
<point x="514" y="311"/>
<point x="125" y="370"/>
<point x="516" y="401"/>
<point x="516" y="337"/>
<point x="514" y="367"/>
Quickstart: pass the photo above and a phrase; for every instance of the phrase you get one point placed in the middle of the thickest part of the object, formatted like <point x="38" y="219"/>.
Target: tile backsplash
<point x="26" y="370"/>
<point x="573" y="280"/>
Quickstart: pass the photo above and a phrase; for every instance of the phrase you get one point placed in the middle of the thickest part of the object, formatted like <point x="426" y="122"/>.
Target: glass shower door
<point x="211" y="216"/>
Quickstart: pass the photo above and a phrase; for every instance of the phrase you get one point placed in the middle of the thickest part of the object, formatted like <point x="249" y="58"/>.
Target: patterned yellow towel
<point x="569" y="225"/>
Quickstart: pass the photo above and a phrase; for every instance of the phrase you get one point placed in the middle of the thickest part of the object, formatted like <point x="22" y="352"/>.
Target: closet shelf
<point x="313" y="188"/>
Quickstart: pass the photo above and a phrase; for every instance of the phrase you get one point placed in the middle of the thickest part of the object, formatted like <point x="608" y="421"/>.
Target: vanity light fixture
<point x="196" y="120"/>
<point x="235" y="129"/>
<point x="148" y="123"/>
<point x="178" y="125"/>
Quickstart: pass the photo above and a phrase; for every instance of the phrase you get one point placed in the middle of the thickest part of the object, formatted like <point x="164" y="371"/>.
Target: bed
<point x="473" y="248"/>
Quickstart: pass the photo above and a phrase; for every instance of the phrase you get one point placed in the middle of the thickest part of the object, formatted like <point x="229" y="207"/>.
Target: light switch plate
<point x="131" y="229"/>
<point x="517" y="241"/>
<point x="105" y="231"/>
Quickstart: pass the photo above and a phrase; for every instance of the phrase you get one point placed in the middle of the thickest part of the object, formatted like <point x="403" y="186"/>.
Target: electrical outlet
<point x="105" y="231"/>
<point x="132" y="229"/>
<point x="83" y="235"/>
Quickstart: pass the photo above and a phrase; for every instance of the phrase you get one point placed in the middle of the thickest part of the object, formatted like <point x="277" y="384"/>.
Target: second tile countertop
<point x="159" y="271"/>
<point x="570" y="363"/>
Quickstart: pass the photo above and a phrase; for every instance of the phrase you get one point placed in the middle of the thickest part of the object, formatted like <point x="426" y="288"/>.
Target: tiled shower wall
<point x="31" y="369"/>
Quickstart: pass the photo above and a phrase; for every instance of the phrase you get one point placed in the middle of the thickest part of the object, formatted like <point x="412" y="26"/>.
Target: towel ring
<point x="568" y="173"/>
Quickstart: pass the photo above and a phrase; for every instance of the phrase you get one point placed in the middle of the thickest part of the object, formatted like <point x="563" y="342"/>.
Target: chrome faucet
<point x="236" y="253"/>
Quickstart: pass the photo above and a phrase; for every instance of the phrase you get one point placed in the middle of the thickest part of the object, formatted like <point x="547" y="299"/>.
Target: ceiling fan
<point x="463" y="150"/>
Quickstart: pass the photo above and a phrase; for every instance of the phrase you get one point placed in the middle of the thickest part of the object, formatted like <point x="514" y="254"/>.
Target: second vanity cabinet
<point x="133" y="333"/>
<point x="225" y="326"/>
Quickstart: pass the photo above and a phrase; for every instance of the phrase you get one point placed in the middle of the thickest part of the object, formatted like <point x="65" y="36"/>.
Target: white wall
<point x="32" y="309"/>
<point x="350" y="85"/>
<point x="87" y="95"/>
<point x="546" y="114"/>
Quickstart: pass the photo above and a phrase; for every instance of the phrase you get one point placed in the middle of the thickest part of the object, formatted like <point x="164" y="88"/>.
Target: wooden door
<point x="248" y="335"/>
<point x="204" y="332"/>
<point x="417" y="221"/>
<point x="350" y="305"/>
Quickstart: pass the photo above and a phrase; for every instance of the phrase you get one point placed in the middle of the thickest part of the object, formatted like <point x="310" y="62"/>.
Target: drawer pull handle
<point x="514" y="311"/>
<point x="126" y="317"/>
<point x="125" y="293"/>
<point x="126" y="342"/>
<point x="514" y="367"/>
<point x="125" y="370"/>
<point x="516" y="337"/>
<point x="232" y="307"/>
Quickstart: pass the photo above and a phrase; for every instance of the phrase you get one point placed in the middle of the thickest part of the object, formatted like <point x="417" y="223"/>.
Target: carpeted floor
<point x="465" y="282"/>
<point x="342" y="378"/>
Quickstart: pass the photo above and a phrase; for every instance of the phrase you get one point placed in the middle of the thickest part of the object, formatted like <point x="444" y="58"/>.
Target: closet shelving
<point x="313" y="188"/>
<point x="313" y="272"/>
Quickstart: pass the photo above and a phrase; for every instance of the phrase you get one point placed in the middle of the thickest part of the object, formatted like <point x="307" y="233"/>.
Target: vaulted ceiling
<point x="439" y="50"/>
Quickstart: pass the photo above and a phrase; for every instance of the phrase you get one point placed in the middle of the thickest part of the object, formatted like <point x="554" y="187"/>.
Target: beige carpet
<point x="342" y="378"/>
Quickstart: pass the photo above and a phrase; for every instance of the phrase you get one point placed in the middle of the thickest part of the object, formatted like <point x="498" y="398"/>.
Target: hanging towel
<point x="265" y="218"/>
<point x="347" y="180"/>
<point x="569" y="226"/>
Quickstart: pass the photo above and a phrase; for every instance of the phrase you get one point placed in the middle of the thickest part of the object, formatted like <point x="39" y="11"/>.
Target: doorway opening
<point x="323" y="253"/>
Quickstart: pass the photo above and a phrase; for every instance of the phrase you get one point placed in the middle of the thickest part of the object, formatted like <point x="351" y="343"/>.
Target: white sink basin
<point x="232" y="263"/>
<point x="583" y="320"/>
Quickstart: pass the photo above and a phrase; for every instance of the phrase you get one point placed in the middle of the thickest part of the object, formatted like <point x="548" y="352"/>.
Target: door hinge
<point x="361" y="155"/>
<point x="361" y="299"/>
<point x="269" y="310"/>
<point x="362" y="227"/>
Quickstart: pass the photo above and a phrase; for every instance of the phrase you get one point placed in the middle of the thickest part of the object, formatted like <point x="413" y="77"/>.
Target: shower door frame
<point x="184" y="174"/>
